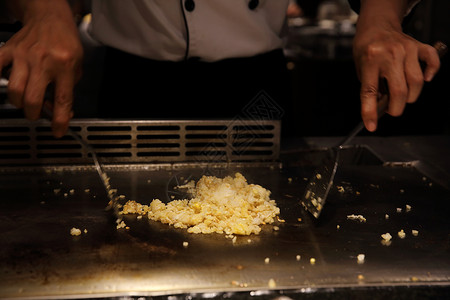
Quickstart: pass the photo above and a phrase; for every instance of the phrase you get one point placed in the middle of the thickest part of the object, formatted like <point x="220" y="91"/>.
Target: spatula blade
<point x="320" y="183"/>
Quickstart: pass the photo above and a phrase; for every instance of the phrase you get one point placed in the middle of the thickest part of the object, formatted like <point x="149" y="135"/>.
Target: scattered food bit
<point x="72" y="191"/>
<point x="338" y="227"/>
<point x="357" y="193"/>
<point x="360" y="258"/>
<point x="408" y="208"/>
<point x="359" y="218"/>
<point x="56" y="191"/>
<point x="386" y="216"/>
<point x="172" y="197"/>
<point x="272" y="284"/>
<point x="414" y="279"/>
<point x="185" y="244"/>
<point x="430" y="184"/>
<point x="387" y="236"/>
<point x="234" y="239"/>
<point x="66" y="195"/>
<point x="289" y="180"/>
<point x="276" y="228"/>
<point x="122" y="197"/>
<point x="318" y="176"/>
<point x="139" y="217"/>
<point x="239" y="284"/>
<point x="85" y="231"/>
<point x="87" y="191"/>
<point x="312" y="261"/>
<point x="401" y="234"/>
<point x="415" y="232"/>
<point x="340" y="188"/>
<point x="360" y="277"/>
<point x="75" y="231"/>
<point x="249" y="241"/>
<point x="288" y="196"/>
<point x="121" y="224"/>
<point x="149" y="180"/>
<point x="299" y="219"/>
<point x="402" y="191"/>
<point x="399" y="210"/>
<point x="298" y="257"/>
<point x="424" y="178"/>
<point x="280" y="220"/>
<point x="267" y="260"/>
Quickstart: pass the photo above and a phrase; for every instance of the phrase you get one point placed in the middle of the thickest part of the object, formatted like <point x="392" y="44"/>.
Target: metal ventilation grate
<point x="25" y="143"/>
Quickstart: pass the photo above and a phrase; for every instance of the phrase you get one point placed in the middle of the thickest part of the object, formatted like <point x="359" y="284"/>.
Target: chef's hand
<point x="47" y="49"/>
<point x="382" y="50"/>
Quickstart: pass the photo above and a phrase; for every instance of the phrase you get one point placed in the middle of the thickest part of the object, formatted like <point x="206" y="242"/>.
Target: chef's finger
<point x="430" y="57"/>
<point x="34" y="94"/>
<point x="62" y="106"/>
<point x="18" y="80"/>
<point x="414" y="77"/>
<point x="369" y="94"/>
<point x="398" y="88"/>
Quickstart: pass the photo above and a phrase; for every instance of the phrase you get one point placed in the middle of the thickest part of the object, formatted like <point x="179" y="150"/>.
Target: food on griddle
<point x="359" y="218"/>
<point x="361" y="258"/>
<point x="312" y="261"/>
<point x="415" y="232"/>
<point x="401" y="234"/>
<point x="229" y="205"/>
<point x="75" y="231"/>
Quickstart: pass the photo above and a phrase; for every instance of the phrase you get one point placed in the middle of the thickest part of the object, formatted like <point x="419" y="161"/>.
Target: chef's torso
<point x="210" y="30"/>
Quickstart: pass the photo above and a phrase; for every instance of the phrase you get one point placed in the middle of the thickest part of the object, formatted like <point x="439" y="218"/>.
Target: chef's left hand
<point x="382" y="50"/>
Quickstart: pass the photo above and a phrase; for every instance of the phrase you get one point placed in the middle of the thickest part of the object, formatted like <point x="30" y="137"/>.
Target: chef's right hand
<point x="47" y="49"/>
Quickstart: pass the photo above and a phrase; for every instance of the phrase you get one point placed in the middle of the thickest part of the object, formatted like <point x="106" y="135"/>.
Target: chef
<point x="195" y="56"/>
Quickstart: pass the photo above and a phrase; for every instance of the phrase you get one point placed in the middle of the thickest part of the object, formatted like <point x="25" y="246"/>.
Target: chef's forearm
<point x="383" y="12"/>
<point x="25" y="10"/>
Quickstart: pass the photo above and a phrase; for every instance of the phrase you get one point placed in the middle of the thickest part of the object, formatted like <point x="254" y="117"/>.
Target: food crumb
<point x="267" y="260"/>
<point x="56" y="191"/>
<point x="298" y="257"/>
<point x="408" y="208"/>
<point x="234" y="239"/>
<point x="360" y="277"/>
<point x="402" y="191"/>
<point x="75" y="231"/>
<point x="361" y="258"/>
<point x="386" y="216"/>
<point x="399" y="210"/>
<point x="276" y="228"/>
<point x="338" y="227"/>
<point x="272" y="283"/>
<point x="312" y="261"/>
<point x="414" y="278"/>
<point x="415" y="232"/>
<point x="121" y="224"/>
<point x="401" y="234"/>
<point x="139" y="217"/>
<point x="85" y="231"/>
<point x="289" y="180"/>
<point x="299" y="219"/>
<point x="87" y="191"/>
<point x="185" y="244"/>
<point x="65" y="195"/>
<point x="318" y="176"/>
<point x="72" y="191"/>
<point x="340" y="189"/>
<point x="359" y="218"/>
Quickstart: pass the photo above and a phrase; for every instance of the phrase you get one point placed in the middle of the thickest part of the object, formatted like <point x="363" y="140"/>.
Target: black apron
<point x="136" y="87"/>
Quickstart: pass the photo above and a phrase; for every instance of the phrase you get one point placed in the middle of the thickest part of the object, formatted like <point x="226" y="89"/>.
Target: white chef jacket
<point x="213" y="30"/>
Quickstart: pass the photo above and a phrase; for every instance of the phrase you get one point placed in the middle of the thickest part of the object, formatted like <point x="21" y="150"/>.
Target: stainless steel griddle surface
<point x="40" y="259"/>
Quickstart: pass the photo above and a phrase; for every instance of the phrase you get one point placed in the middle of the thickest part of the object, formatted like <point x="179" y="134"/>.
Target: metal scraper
<point x="111" y="193"/>
<point x="320" y="183"/>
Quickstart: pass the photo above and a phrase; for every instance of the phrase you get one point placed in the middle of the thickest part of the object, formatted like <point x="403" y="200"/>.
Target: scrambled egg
<point x="229" y="205"/>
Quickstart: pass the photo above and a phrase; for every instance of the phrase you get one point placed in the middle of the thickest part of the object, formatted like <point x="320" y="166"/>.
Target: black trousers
<point x="135" y="87"/>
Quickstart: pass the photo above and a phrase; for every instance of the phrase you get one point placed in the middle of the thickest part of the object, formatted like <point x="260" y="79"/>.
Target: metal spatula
<point x="321" y="182"/>
<point x="111" y="193"/>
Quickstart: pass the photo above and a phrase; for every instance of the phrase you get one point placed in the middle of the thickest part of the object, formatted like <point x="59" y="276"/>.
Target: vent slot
<point x="142" y="141"/>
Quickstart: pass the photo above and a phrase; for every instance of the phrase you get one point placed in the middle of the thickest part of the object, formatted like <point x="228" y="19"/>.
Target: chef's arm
<point x="47" y="49"/>
<point x="382" y="50"/>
